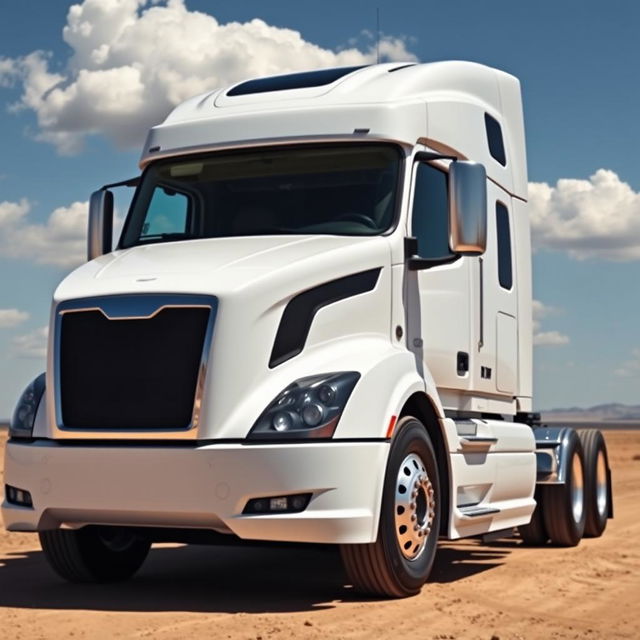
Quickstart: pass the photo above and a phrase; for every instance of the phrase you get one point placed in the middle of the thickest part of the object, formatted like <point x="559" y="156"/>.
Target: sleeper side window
<point x="505" y="270"/>
<point x="430" y="215"/>
<point x="495" y="140"/>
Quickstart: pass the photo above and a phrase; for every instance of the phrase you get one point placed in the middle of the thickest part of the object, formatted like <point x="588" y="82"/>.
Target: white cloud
<point x="60" y="241"/>
<point x="132" y="61"/>
<point x="8" y="72"/>
<point x="630" y="368"/>
<point x="541" y="310"/>
<point x="595" y="218"/>
<point x="31" y="345"/>
<point x="545" y="338"/>
<point x="10" y="318"/>
<point x="549" y="338"/>
<point x="12" y="212"/>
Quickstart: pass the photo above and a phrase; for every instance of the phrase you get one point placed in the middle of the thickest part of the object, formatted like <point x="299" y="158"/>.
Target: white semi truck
<point x="315" y="327"/>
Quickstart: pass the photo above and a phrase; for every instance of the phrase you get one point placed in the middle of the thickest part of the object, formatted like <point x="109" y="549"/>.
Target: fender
<point x="380" y="395"/>
<point x="552" y="459"/>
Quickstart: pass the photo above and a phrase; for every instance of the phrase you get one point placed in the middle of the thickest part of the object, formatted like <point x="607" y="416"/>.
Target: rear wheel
<point x="94" y="554"/>
<point x="564" y="505"/>
<point x="597" y="489"/>
<point x="399" y="562"/>
<point x="534" y="534"/>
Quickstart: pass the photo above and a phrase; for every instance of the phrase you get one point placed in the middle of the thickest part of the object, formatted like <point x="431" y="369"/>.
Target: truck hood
<point x="218" y="266"/>
<point x="253" y="279"/>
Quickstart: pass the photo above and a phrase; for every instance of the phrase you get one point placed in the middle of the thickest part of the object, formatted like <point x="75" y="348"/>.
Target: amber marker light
<point x="391" y="427"/>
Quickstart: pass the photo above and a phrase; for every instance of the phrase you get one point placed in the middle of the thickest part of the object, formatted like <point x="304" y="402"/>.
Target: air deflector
<point x="303" y="80"/>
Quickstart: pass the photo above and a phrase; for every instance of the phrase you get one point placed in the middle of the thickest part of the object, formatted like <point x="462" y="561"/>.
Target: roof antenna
<point x="378" y="35"/>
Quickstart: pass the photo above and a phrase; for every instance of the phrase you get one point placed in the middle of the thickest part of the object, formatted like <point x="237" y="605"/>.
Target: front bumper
<point x="205" y="487"/>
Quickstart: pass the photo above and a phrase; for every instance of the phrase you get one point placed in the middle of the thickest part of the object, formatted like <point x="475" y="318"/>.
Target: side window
<point x="430" y="215"/>
<point x="168" y="212"/>
<point x="505" y="271"/>
<point x="495" y="140"/>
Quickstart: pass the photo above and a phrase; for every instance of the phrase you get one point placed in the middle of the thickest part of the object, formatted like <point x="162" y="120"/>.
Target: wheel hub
<point x="414" y="506"/>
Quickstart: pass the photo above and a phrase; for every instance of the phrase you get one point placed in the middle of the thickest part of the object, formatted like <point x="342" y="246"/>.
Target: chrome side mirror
<point x="100" y="223"/>
<point x="467" y="208"/>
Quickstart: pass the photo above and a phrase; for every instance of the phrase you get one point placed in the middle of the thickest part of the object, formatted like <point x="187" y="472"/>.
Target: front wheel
<point x="94" y="554"/>
<point x="398" y="563"/>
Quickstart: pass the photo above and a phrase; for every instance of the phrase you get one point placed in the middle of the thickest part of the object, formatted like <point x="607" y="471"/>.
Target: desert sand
<point x="498" y="590"/>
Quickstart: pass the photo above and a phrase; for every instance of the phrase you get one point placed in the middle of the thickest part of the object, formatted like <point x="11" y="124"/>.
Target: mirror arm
<point x="410" y="247"/>
<point x="419" y="264"/>
<point x="416" y="263"/>
<point x="131" y="182"/>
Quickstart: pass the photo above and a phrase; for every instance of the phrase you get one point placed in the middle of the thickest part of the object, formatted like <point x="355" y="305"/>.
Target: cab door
<point x="439" y="298"/>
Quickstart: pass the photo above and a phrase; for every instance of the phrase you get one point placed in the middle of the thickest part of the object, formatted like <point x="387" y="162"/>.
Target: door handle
<point x="477" y="442"/>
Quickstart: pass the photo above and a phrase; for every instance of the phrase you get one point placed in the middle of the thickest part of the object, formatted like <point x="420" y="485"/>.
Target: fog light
<point x="278" y="504"/>
<point x="299" y="503"/>
<point x="19" y="497"/>
<point x="260" y="506"/>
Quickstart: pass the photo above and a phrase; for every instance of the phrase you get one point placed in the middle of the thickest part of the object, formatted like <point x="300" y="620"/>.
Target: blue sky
<point x="576" y="61"/>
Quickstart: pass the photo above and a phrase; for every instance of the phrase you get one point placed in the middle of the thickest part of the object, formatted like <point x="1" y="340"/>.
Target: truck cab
<point x="315" y="327"/>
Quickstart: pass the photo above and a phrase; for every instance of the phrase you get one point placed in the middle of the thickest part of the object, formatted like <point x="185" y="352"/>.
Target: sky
<point x="81" y="83"/>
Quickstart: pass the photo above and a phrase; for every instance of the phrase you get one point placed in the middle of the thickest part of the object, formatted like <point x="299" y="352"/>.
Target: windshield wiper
<point x="167" y="237"/>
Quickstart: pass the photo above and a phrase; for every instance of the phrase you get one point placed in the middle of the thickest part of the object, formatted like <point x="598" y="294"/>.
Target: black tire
<point x="534" y="534"/>
<point x="597" y="489"/>
<point x="564" y="505"/>
<point x="384" y="568"/>
<point x="94" y="554"/>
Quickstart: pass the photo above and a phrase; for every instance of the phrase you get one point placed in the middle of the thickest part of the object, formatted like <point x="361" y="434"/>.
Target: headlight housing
<point x="24" y="416"/>
<point x="308" y="408"/>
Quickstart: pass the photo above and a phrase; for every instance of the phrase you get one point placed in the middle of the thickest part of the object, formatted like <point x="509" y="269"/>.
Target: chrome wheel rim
<point x="601" y="485"/>
<point x="414" y="506"/>
<point x="577" y="488"/>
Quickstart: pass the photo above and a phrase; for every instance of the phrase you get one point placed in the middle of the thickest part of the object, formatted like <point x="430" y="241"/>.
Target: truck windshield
<point x="347" y="189"/>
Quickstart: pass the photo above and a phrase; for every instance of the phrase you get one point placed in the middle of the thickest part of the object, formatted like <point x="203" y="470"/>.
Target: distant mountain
<point x="609" y="412"/>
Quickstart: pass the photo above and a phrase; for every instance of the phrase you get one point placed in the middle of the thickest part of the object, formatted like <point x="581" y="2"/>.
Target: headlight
<point x="308" y="408"/>
<point x="24" y="415"/>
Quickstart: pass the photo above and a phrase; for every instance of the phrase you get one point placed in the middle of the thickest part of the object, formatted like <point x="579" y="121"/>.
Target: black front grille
<point x="130" y="374"/>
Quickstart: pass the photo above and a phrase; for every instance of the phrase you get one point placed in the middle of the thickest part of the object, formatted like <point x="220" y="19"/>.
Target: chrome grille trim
<point x="130" y="307"/>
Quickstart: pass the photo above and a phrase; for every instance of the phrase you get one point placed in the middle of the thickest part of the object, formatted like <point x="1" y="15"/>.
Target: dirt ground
<point x="491" y="591"/>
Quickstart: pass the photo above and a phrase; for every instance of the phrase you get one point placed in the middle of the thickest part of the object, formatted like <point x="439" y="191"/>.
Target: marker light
<point x="308" y="408"/>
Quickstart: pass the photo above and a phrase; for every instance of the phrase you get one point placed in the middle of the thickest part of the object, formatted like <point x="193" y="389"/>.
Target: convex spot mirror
<point x="467" y="208"/>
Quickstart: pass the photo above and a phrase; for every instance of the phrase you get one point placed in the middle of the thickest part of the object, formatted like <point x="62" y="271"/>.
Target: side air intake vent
<point x="291" y="81"/>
